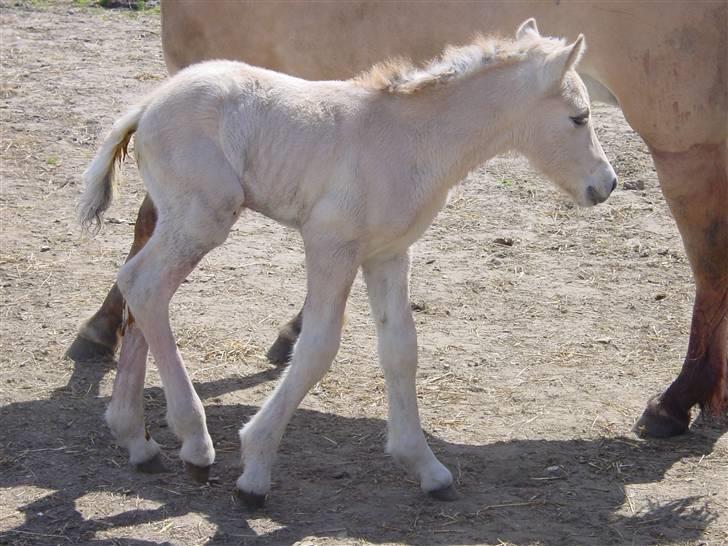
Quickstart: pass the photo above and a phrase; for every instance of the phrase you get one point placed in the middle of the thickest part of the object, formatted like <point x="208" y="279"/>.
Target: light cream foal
<point x="360" y="168"/>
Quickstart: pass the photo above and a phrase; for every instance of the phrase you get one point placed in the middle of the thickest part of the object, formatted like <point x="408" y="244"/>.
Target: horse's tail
<point x="100" y="179"/>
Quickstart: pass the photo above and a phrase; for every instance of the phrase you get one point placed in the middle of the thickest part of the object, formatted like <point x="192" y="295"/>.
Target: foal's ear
<point x="561" y="61"/>
<point x="526" y="28"/>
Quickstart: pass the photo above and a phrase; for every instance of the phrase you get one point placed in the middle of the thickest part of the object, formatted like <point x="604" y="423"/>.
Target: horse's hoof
<point x="200" y="474"/>
<point x="252" y="501"/>
<point x="152" y="466"/>
<point x="84" y="350"/>
<point x="280" y="352"/>
<point x="446" y="494"/>
<point x="656" y="422"/>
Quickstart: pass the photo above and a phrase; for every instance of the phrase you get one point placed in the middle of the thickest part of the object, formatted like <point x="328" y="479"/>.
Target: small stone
<point x="633" y="185"/>
<point x="505" y="241"/>
<point x="659" y="297"/>
<point x="45" y="248"/>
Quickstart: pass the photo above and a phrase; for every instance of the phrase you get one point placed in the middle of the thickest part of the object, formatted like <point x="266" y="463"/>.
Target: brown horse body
<point x="666" y="64"/>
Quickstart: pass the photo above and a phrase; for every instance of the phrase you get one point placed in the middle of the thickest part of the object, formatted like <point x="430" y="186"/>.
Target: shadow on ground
<point x="333" y="480"/>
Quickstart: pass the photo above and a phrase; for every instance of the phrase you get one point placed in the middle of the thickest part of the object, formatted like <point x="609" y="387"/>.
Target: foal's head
<point x="557" y="134"/>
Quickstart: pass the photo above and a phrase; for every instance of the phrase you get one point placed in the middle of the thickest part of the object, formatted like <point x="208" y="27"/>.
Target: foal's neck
<point x="465" y="123"/>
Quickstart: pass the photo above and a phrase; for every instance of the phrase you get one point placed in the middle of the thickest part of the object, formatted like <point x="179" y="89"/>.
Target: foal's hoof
<point x="656" y="422"/>
<point x="281" y="351"/>
<point x="200" y="474"/>
<point x="152" y="466"/>
<point x="84" y="350"/>
<point x="447" y="493"/>
<point x="251" y="501"/>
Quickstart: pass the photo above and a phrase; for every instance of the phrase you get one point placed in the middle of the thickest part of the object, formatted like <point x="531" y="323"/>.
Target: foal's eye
<point x="581" y="119"/>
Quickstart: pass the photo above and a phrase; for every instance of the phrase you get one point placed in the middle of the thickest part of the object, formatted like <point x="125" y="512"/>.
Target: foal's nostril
<point x="591" y="191"/>
<point x="614" y="185"/>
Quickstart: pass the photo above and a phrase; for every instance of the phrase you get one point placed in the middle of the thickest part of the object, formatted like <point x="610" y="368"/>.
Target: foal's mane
<point x="400" y="75"/>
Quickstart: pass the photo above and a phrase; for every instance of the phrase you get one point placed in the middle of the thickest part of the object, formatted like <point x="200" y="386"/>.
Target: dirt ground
<point x="543" y="330"/>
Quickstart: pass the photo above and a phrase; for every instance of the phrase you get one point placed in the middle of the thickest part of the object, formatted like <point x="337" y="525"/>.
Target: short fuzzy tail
<point x="100" y="179"/>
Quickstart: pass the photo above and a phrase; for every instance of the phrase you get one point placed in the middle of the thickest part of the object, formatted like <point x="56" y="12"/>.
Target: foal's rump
<point x="179" y="150"/>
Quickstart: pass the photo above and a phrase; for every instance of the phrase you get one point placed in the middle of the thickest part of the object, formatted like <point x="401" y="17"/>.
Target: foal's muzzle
<point x="596" y="196"/>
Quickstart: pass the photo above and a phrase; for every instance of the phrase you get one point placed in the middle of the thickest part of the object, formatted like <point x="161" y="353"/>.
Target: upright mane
<point x="400" y="75"/>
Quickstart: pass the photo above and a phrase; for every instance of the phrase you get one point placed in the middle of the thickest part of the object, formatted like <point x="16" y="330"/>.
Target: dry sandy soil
<point x="536" y="357"/>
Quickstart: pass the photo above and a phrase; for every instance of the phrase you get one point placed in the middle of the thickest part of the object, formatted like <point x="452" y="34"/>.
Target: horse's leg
<point x="387" y="285"/>
<point x="125" y="414"/>
<point x="695" y="184"/>
<point x="331" y="269"/>
<point x="282" y="349"/>
<point x="99" y="336"/>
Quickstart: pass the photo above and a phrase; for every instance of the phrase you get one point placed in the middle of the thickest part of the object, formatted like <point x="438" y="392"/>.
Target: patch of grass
<point x="505" y="182"/>
<point x="52" y="160"/>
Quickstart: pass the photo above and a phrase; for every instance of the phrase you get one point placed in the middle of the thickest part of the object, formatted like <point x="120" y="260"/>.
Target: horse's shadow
<point x="333" y="480"/>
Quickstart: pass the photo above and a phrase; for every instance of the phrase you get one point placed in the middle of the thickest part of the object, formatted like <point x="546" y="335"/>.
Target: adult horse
<point x="665" y="63"/>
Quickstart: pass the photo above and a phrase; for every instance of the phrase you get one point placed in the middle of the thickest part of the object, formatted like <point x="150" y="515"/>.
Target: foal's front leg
<point x="388" y="285"/>
<point x="331" y="269"/>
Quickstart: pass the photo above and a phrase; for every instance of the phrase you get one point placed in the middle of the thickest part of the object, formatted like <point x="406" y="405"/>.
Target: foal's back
<point x="284" y="138"/>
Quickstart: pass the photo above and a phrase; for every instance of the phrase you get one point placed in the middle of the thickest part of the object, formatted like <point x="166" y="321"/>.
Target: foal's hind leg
<point x="125" y="414"/>
<point x="148" y="282"/>
<point x="695" y="184"/>
<point x="187" y="229"/>
<point x="99" y="336"/>
<point x="387" y="285"/>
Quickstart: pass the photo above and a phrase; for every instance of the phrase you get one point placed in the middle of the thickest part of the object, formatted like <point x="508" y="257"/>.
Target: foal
<point x="360" y="168"/>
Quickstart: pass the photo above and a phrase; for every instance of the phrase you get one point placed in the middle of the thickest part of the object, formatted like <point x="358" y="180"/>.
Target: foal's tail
<point x="100" y="179"/>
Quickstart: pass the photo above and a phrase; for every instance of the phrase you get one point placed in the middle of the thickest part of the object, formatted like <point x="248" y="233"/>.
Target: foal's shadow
<point x="333" y="480"/>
